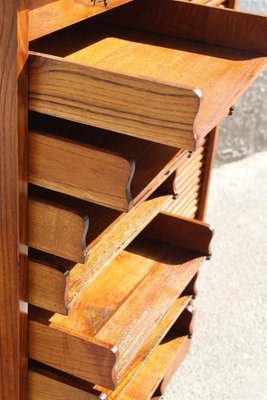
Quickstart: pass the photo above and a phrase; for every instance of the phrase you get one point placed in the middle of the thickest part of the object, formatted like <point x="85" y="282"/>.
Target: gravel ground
<point x="228" y="360"/>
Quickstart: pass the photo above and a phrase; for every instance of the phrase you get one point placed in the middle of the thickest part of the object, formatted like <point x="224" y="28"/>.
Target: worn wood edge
<point x="192" y="137"/>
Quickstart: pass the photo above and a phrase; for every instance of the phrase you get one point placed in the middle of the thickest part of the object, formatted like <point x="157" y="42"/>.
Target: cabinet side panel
<point x="22" y="72"/>
<point x="13" y="201"/>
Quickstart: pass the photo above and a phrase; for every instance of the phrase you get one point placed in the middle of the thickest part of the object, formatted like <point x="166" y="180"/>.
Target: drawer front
<point x="57" y="229"/>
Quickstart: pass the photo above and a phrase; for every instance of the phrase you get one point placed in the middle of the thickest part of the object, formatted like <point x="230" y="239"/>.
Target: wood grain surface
<point x="103" y="98"/>
<point x="13" y="204"/>
<point x="48" y="282"/>
<point x="57" y="229"/>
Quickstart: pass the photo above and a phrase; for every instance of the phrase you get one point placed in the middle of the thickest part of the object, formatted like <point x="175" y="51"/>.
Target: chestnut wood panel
<point x="13" y="203"/>
<point x="48" y="282"/>
<point x="196" y="82"/>
<point x="47" y="16"/>
<point x="57" y="229"/>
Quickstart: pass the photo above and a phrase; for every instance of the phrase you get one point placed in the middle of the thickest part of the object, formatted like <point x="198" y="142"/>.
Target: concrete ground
<point x="228" y="360"/>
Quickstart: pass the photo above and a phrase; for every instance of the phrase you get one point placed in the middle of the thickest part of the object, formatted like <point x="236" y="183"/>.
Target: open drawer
<point x="54" y="282"/>
<point x="149" y="69"/>
<point x="102" y="335"/>
<point x="102" y="167"/>
<point x="48" y="383"/>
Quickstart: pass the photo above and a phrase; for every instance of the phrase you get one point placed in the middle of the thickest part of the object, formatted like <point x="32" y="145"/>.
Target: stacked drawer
<point x="120" y="151"/>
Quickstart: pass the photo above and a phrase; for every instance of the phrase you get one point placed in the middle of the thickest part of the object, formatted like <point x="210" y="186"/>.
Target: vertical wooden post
<point x="13" y="199"/>
<point x="210" y="157"/>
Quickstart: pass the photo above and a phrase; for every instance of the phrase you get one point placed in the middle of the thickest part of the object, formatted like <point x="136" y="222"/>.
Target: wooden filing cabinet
<point x="108" y="134"/>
